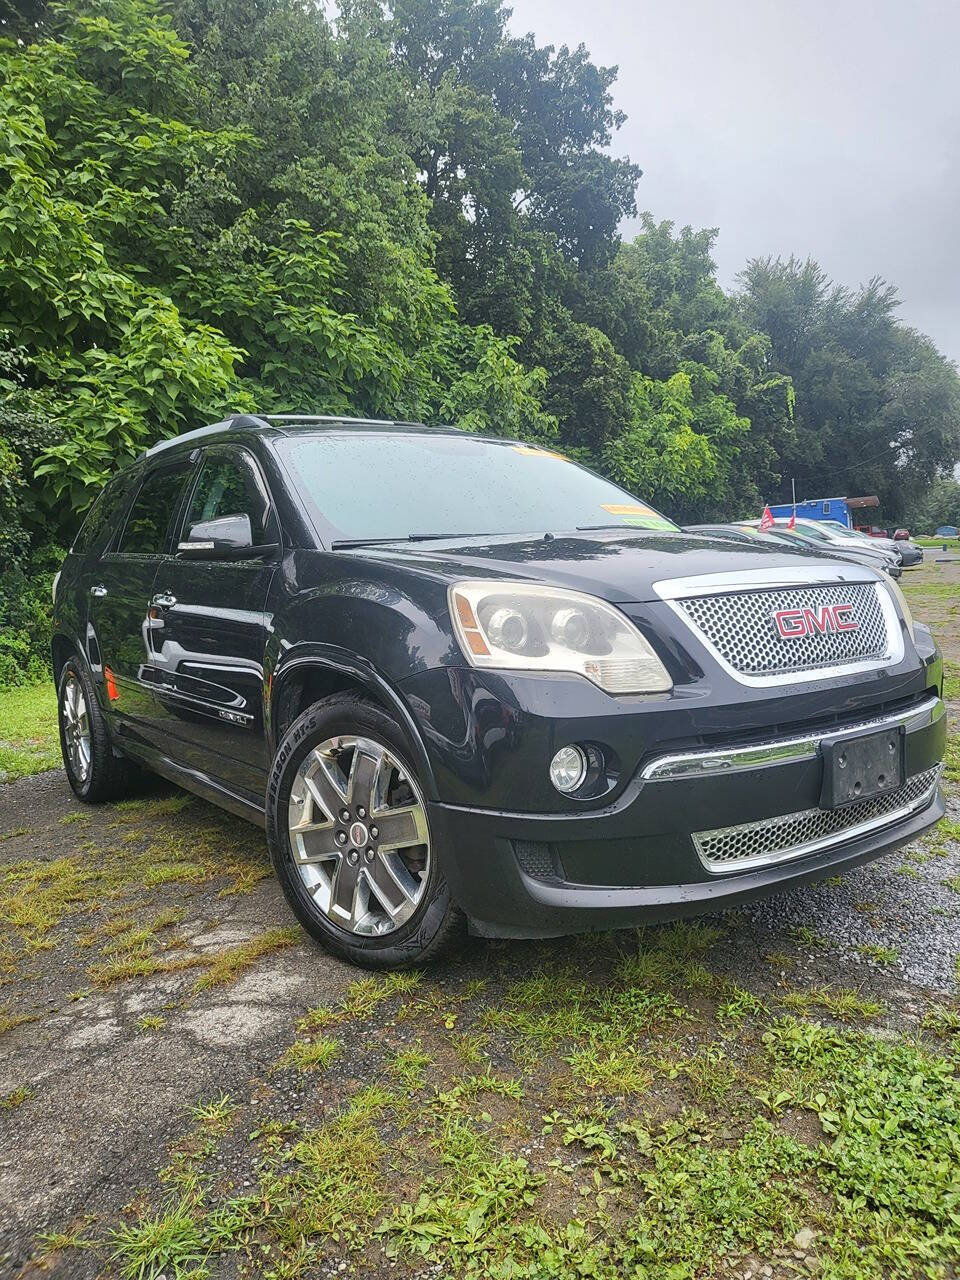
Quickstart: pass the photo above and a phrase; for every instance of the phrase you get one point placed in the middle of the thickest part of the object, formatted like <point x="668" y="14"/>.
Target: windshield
<point x="842" y="531"/>
<point x="807" y="531"/>
<point x="371" y="486"/>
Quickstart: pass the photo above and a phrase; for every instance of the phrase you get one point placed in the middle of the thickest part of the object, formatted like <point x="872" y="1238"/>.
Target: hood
<point x="868" y="551"/>
<point x="619" y="567"/>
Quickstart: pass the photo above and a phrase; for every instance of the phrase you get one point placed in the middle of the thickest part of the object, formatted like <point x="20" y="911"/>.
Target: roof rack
<point x="240" y="420"/>
<point x="237" y="421"/>
<point x="329" y="417"/>
<point x="334" y="418"/>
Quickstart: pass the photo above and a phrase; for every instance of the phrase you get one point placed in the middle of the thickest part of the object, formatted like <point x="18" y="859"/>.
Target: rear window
<point x="153" y="509"/>
<point x="366" y="485"/>
<point x="102" y="516"/>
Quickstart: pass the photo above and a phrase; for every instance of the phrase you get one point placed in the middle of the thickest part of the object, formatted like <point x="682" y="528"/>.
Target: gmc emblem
<point x="792" y="623"/>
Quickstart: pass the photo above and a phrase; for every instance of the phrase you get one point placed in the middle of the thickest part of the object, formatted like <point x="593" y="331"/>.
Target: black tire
<point x="435" y="922"/>
<point x="109" y="775"/>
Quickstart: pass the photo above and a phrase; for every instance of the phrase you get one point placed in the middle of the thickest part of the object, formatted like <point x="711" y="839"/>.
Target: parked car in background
<point x="819" y="534"/>
<point x="908" y="553"/>
<point x="463" y="680"/>
<point x="901" y="535"/>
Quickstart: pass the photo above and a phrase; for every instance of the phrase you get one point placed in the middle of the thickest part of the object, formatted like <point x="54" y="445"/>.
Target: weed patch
<point x="229" y="964"/>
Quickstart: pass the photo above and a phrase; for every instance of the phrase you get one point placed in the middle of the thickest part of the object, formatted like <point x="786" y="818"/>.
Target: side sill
<point x="201" y="784"/>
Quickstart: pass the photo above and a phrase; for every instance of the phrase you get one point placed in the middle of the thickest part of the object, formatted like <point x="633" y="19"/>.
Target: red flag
<point x="792" y="522"/>
<point x="766" y="520"/>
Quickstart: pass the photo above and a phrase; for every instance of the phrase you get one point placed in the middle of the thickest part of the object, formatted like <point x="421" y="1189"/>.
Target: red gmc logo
<point x="792" y="623"/>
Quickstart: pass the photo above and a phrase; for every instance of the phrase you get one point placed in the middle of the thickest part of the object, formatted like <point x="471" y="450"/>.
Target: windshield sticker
<point x="534" y="451"/>
<point x="638" y="515"/>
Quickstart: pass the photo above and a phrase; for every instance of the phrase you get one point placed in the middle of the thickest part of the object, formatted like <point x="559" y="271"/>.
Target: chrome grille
<point x="742" y="630"/>
<point x="794" y="834"/>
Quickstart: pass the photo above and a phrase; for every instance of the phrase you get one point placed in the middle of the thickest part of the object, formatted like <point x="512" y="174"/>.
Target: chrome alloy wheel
<point x="358" y="829"/>
<point x="76" y="728"/>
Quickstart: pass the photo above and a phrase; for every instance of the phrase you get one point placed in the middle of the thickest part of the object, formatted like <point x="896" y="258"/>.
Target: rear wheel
<point x="94" y="770"/>
<point x="350" y="837"/>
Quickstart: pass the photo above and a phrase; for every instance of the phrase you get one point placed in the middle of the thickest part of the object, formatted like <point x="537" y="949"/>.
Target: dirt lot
<point x="189" y="1087"/>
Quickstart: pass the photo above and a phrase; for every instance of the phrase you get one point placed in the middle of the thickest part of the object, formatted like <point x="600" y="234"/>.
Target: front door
<point x="210" y="631"/>
<point x="120" y="587"/>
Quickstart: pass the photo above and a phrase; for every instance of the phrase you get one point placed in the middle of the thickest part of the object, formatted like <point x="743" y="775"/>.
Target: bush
<point x="25" y="617"/>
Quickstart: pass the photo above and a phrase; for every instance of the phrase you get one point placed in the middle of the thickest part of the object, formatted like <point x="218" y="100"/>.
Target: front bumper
<point x="645" y="857"/>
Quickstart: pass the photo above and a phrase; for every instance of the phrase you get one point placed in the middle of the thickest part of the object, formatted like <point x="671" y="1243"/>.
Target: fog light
<point x="568" y="768"/>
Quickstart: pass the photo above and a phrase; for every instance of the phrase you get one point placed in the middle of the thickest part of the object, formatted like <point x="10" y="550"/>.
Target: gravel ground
<point x="893" y="904"/>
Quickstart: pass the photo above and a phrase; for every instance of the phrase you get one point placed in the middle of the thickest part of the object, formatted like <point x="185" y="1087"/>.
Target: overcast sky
<point x="795" y="126"/>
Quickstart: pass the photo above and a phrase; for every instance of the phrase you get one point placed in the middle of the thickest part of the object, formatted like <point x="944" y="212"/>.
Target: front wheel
<point x="350" y="838"/>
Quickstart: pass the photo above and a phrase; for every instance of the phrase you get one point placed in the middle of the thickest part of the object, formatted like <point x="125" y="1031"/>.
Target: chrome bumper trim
<point x="703" y="764"/>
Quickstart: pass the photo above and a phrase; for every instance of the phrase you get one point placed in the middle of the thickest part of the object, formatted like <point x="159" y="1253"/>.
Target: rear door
<point x="210" y="631"/>
<point x="120" y="629"/>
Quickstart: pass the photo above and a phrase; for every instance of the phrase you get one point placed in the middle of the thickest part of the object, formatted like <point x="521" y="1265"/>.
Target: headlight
<point x="511" y="625"/>
<point x="897" y="592"/>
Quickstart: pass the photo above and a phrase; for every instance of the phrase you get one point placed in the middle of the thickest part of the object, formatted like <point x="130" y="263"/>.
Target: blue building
<point x="841" y="509"/>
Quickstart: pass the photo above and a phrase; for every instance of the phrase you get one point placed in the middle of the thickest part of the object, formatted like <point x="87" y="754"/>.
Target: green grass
<point x="645" y="1117"/>
<point x="878" y="954"/>
<point x="838" y="1002"/>
<point x="171" y="1241"/>
<point x="230" y="963"/>
<point x="15" y="1097"/>
<point x="29" y="738"/>
<point x="951" y="680"/>
<point x="311" y="1055"/>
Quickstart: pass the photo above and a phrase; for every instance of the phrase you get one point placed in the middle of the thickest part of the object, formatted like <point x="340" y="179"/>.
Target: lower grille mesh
<point x="792" y="834"/>
<point x="536" y="859"/>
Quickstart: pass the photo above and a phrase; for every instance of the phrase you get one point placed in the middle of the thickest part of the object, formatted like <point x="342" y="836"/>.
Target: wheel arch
<point x="305" y="677"/>
<point x="61" y="647"/>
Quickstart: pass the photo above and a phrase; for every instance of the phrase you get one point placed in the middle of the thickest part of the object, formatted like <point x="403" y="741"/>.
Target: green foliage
<point x="940" y="505"/>
<point x="681" y="446"/>
<point x="891" y="1114"/>
<point x="878" y="407"/>
<point x="214" y="206"/>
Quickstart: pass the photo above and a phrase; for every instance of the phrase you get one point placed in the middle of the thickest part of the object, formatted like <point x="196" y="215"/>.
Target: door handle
<point x="163" y="600"/>
<point x="98" y="590"/>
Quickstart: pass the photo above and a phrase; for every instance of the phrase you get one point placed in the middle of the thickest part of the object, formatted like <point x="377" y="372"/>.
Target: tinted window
<point x="153" y="507"/>
<point x="374" y="485"/>
<point x="102" y="516"/>
<point x="811" y="531"/>
<point x="229" y="485"/>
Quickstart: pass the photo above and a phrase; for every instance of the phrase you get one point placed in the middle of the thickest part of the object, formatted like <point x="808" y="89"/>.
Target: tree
<point x="878" y="408"/>
<point x="160" y="274"/>
<point x="940" y="505"/>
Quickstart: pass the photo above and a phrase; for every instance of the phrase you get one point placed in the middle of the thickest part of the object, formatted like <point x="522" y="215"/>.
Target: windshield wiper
<point x="438" y="537"/>
<point x="342" y="543"/>
<point x="410" y="537"/>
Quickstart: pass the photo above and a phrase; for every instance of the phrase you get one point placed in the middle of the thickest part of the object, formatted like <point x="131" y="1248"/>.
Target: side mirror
<point x="226" y="538"/>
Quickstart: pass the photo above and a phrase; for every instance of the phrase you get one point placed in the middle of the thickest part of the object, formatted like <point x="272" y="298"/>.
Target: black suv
<point x="463" y="680"/>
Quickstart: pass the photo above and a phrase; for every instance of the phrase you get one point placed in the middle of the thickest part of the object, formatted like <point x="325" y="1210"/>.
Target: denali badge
<point x="792" y="623"/>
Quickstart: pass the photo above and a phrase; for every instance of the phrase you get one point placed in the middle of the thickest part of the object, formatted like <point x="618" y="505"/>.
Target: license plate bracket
<point x="861" y="768"/>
